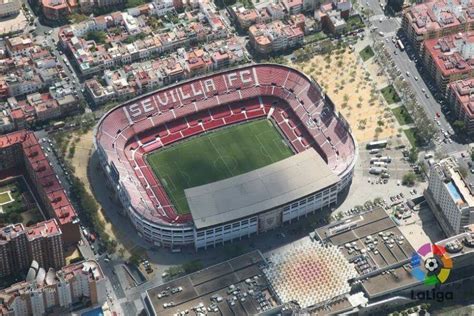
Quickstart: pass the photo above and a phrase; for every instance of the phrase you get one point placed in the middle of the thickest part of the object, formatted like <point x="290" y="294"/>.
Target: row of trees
<point x="425" y="128"/>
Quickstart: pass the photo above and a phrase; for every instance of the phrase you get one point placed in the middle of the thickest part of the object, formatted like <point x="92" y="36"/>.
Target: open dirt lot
<point x="354" y="92"/>
<point x="80" y="161"/>
<point x="13" y="24"/>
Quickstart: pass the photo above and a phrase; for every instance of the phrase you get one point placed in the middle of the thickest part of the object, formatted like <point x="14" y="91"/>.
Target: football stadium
<point x="226" y="156"/>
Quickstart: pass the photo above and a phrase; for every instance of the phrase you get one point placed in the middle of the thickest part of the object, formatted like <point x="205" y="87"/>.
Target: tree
<point x="413" y="155"/>
<point x="459" y="125"/>
<point x="96" y="36"/>
<point x="409" y="179"/>
<point x="463" y="171"/>
<point x="77" y="18"/>
<point x="395" y="5"/>
<point x="192" y="266"/>
<point x="134" y="3"/>
<point x="134" y="259"/>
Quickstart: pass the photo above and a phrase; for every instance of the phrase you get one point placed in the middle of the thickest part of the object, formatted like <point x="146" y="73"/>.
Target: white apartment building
<point x="450" y="197"/>
<point x="55" y="289"/>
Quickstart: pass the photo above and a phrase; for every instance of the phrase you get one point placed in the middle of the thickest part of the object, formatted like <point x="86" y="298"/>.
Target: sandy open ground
<point x="80" y="162"/>
<point x="13" y="23"/>
<point x="354" y="92"/>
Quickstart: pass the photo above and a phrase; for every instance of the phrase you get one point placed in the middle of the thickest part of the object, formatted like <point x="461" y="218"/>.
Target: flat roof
<point x="259" y="190"/>
<point x="382" y="284"/>
<point x="243" y="272"/>
<point x="392" y="248"/>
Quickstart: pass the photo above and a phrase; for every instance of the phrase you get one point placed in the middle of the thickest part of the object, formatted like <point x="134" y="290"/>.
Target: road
<point x="408" y="62"/>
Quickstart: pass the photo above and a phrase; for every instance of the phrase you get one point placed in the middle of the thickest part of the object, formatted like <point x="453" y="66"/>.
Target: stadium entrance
<point x="269" y="220"/>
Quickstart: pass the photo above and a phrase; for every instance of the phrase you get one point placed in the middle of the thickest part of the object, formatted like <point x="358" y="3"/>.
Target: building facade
<point x="56" y="290"/>
<point x="450" y="197"/>
<point x="19" y="246"/>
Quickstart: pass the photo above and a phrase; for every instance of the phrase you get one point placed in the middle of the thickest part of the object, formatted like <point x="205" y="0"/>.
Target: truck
<point x="386" y="159"/>
<point x="379" y="164"/>
<point x="376" y="144"/>
<point x="377" y="170"/>
<point x="374" y="160"/>
<point x="400" y="45"/>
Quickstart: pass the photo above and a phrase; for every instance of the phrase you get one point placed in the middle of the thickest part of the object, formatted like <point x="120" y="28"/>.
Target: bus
<point x="377" y="144"/>
<point x="400" y="45"/>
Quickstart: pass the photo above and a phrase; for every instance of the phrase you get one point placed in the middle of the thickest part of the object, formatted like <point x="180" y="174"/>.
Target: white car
<point x="408" y="74"/>
<point x="416" y="78"/>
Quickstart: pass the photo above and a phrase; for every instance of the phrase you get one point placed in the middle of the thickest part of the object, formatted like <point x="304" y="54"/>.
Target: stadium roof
<point x="259" y="190"/>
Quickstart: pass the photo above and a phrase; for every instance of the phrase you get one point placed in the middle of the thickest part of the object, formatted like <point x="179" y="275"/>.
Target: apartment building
<point x="20" y="150"/>
<point x="450" y="197"/>
<point x="332" y="16"/>
<point x="56" y="9"/>
<point x="138" y="78"/>
<point x="197" y="26"/>
<point x="449" y="58"/>
<point x="461" y="98"/>
<point x="275" y="36"/>
<point x="247" y="17"/>
<point x="18" y="45"/>
<point x="19" y="246"/>
<point x="14" y="256"/>
<point x="55" y="290"/>
<point x="435" y="19"/>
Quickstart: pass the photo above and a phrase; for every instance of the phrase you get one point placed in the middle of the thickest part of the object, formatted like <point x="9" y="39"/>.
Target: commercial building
<point x="322" y="140"/>
<point x="449" y="58"/>
<point x="19" y="246"/>
<point x="21" y="154"/>
<point x="55" y="290"/>
<point x="450" y="197"/>
<point x="9" y="8"/>
<point x="460" y="97"/>
<point x="213" y="288"/>
<point x="434" y="19"/>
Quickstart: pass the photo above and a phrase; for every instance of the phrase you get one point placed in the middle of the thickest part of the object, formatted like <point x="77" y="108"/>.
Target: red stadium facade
<point x="294" y="103"/>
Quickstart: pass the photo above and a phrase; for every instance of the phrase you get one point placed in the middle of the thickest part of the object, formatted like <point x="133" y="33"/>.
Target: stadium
<point x="225" y="156"/>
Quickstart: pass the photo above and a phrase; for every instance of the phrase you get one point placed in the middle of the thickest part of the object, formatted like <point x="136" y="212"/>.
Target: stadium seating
<point x="295" y="102"/>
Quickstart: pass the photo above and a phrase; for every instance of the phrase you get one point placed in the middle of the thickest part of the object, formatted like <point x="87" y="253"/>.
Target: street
<point x="409" y="66"/>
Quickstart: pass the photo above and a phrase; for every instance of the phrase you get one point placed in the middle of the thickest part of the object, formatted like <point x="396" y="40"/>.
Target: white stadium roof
<point x="259" y="190"/>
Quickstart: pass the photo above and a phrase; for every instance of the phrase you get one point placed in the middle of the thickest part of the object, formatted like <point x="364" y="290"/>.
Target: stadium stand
<point x="293" y="101"/>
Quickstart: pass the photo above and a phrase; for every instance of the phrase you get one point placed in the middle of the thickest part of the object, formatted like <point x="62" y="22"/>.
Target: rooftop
<point x="239" y="280"/>
<point x="259" y="190"/>
<point x="464" y="93"/>
<point x="310" y="273"/>
<point x="452" y="54"/>
<point x="437" y="15"/>
<point x="455" y="183"/>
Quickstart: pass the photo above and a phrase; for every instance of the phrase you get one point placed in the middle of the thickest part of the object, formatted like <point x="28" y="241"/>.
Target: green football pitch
<point x="215" y="156"/>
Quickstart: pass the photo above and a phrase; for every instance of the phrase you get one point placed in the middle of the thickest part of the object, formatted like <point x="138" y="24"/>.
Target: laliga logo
<point x="436" y="261"/>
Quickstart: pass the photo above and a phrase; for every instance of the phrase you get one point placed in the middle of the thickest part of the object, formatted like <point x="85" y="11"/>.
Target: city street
<point x="409" y="66"/>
